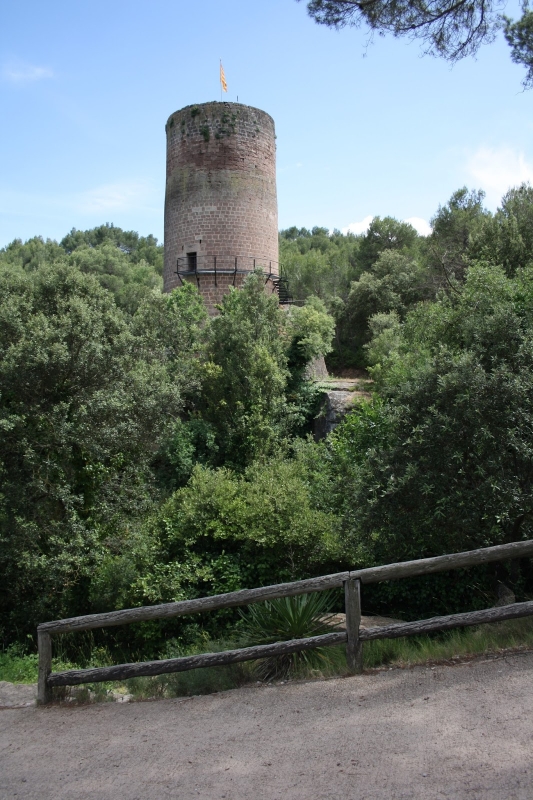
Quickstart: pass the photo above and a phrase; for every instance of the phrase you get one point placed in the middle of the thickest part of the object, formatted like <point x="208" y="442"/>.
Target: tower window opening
<point x="191" y="262"/>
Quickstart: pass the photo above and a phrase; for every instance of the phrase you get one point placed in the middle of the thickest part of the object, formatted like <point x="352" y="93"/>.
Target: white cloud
<point x="497" y="169"/>
<point x="358" y="227"/>
<point x="25" y="73"/>
<point x="418" y="224"/>
<point x="114" y="197"/>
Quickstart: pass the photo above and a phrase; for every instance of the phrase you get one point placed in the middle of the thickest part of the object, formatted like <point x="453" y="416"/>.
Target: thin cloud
<point x="498" y="169"/>
<point x="26" y="73"/>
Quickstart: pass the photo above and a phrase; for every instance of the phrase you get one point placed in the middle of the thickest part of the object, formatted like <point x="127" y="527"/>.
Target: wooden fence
<point x="353" y="637"/>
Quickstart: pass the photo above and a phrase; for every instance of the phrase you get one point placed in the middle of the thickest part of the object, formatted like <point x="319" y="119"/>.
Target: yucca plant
<point x="289" y="618"/>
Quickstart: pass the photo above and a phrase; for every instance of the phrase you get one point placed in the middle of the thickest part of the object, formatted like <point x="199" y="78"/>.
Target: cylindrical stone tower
<point x="221" y="218"/>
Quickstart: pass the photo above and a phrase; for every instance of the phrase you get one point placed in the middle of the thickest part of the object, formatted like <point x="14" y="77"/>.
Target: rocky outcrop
<point x="339" y="397"/>
<point x="317" y="370"/>
<point x="335" y="406"/>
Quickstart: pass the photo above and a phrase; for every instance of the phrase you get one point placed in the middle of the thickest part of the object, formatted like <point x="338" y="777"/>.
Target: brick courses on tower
<point x="221" y="215"/>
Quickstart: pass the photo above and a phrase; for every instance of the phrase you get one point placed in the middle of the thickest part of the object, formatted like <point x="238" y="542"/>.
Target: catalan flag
<point x="223" y="78"/>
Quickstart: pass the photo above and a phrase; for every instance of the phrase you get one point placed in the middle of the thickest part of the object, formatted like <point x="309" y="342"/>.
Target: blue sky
<point x="86" y="88"/>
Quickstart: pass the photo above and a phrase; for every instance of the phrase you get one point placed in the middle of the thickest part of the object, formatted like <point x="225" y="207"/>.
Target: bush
<point x="289" y="618"/>
<point x="82" y="403"/>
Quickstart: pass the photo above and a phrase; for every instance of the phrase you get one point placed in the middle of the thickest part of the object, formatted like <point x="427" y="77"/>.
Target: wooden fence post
<point x="354" y="646"/>
<point x="44" y="643"/>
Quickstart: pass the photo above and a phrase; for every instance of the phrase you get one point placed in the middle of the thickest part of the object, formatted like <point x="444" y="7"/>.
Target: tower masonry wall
<point x="220" y="195"/>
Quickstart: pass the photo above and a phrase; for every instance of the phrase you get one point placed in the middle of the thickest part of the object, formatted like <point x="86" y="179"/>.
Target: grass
<point x="453" y="645"/>
<point x="17" y="667"/>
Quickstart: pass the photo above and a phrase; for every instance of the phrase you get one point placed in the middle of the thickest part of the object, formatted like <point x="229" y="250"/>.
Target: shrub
<point x="289" y="618"/>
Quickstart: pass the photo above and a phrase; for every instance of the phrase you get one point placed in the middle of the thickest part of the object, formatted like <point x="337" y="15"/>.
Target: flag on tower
<point x="223" y="78"/>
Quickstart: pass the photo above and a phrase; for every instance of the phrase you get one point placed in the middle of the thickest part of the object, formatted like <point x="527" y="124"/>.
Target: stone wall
<point x="213" y="293"/>
<point x="220" y="192"/>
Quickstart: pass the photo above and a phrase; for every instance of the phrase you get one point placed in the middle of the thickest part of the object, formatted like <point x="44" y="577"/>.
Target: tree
<point x="30" y="255"/>
<point x="455" y="227"/>
<point x="138" y="248"/>
<point x="309" y="331"/>
<point x="126" y="264"/>
<point x="128" y="281"/>
<point x="385" y="234"/>
<point x="83" y="404"/>
<point x="178" y="324"/>
<point x="222" y="532"/>
<point x="456" y="473"/>
<point x="254" y="390"/>
<point x="507" y="237"/>
<point x="318" y="263"/>
<point x="240" y="530"/>
<point x="519" y="37"/>
<point x="441" y="460"/>
<point x="394" y="284"/>
<point x="245" y="376"/>
<point x="450" y="29"/>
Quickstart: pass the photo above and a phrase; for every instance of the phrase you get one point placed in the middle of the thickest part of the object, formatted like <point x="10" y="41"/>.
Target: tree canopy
<point x="519" y="37"/>
<point x="82" y="401"/>
<point x="450" y="29"/>
<point x="149" y="453"/>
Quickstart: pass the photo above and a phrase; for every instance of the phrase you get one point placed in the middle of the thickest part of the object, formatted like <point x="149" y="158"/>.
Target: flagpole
<point x="220" y="73"/>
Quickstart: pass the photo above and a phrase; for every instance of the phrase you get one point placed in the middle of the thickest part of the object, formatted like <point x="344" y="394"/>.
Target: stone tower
<point x="221" y="217"/>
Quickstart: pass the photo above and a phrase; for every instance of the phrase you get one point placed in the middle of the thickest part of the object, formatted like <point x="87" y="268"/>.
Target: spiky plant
<point x="289" y="618"/>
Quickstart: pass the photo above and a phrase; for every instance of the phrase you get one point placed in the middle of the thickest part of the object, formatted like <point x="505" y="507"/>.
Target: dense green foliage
<point x="459" y="465"/>
<point x="246" y="374"/>
<point x="356" y="277"/>
<point x="440" y="459"/>
<point x="81" y="401"/>
<point x="110" y="394"/>
<point x="390" y="268"/>
<point x="221" y="532"/>
<point x="150" y="453"/>
<point x="123" y="262"/>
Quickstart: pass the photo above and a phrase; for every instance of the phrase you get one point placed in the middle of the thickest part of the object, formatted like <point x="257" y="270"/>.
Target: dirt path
<point x="449" y="732"/>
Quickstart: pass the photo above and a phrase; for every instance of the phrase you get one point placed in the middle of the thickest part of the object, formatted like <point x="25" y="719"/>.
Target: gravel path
<point x="463" y="731"/>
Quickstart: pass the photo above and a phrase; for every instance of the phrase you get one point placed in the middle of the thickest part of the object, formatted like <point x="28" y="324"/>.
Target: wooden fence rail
<point x="353" y="637"/>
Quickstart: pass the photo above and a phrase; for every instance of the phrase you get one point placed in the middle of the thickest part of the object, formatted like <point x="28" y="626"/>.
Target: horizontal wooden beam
<point x="151" y="668"/>
<point x="122" y="671"/>
<point x="166" y="610"/>
<point x="406" y="569"/>
<point x="514" y="611"/>
<point x="426" y="566"/>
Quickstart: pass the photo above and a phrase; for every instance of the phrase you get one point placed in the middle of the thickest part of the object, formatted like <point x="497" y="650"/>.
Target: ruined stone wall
<point x="220" y="193"/>
<point x="213" y="293"/>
